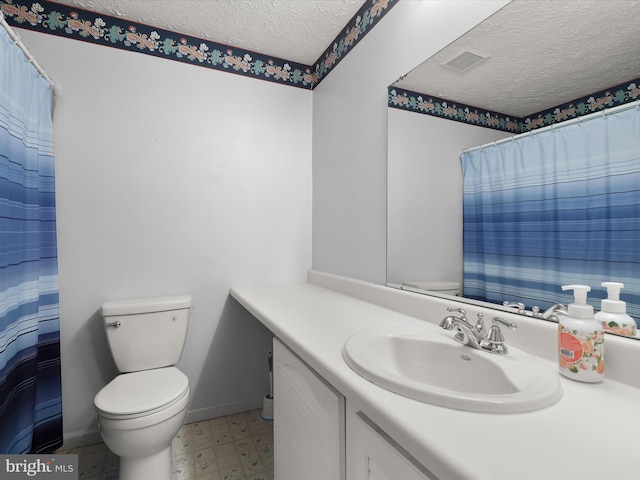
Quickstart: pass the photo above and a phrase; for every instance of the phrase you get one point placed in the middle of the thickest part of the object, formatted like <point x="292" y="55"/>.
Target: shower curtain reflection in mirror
<point x="30" y="388"/>
<point x="555" y="208"/>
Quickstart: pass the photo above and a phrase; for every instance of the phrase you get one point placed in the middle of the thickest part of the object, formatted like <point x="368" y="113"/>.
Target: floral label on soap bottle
<point x="571" y="349"/>
<point x="624" y="330"/>
<point x="581" y="357"/>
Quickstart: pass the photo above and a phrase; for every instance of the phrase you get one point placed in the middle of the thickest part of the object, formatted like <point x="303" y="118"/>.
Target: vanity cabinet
<point x="377" y="435"/>
<point x="373" y="455"/>
<point x="317" y="438"/>
<point x="309" y="421"/>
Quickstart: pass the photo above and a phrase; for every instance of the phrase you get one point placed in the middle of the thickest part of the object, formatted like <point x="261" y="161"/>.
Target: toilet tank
<point x="146" y="333"/>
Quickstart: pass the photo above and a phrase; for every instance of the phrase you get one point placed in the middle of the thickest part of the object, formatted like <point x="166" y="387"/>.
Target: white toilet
<point x="141" y="410"/>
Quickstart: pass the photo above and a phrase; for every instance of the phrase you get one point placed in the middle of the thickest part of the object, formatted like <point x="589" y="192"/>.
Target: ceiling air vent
<point x="465" y="60"/>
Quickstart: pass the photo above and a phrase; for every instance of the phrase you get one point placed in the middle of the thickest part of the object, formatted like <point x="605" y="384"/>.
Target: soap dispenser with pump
<point x="580" y="340"/>
<point x="613" y="315"/>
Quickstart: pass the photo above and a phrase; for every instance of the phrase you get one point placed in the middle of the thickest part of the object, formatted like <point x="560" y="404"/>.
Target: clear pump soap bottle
<point x="613" y="315"/>
<point x="580" y="340"/>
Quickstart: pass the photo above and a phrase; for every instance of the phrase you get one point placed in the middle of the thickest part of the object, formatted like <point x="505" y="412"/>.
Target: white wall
<point x="350" y="131"/>
<point x="424" y="203"/>
<point x="173" y="179"/>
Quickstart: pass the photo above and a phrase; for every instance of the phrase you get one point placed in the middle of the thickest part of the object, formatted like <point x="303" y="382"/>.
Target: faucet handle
<point x="519" y="305"/>
<point x="495" y="335"/>
<point x="496" y="338"/>
<point x="460" y="311"/>
<point x="497" y="320"/>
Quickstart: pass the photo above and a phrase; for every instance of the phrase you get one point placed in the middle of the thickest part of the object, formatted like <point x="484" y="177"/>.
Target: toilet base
<point x="158" y="466"/>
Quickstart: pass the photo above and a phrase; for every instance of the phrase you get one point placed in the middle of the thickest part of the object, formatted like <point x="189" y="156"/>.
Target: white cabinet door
<point x="373" y="455"/>
<point x="309" y="429"/>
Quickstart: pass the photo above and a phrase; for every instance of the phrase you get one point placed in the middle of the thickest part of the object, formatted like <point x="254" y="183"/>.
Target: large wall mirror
<point x="527" y="58"/>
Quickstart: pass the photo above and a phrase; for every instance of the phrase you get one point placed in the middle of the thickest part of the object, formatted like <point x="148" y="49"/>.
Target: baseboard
<point x="223" y="410"/>
<point x="80" y="439"/>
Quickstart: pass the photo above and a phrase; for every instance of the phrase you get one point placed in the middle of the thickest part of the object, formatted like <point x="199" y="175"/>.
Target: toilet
<point x="141" y="410"/>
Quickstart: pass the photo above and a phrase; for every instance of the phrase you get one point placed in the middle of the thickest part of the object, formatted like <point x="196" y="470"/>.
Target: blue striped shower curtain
<point x="555" y="208"/>
<point x="30" y="381"/>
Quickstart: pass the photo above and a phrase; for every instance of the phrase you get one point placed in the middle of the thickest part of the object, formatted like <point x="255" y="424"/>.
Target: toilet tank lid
<point x="134" y="306"/>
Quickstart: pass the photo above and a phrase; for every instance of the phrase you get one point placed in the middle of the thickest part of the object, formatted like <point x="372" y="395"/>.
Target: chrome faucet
<point x="447" y="322"/>
<point x="475" y="335"/>
<point x="553" y="311"/>
<point x="518" y="305"/>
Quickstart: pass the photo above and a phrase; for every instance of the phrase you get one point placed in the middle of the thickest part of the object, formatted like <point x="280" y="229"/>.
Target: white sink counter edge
<point x="589" y="434"/>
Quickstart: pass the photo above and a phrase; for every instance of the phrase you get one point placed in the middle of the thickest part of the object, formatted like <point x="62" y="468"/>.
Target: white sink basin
<point x="428" y="365"/>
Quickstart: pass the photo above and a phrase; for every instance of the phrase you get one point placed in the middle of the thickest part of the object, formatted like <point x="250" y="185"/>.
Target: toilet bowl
<point x="137" y="425"/>
<point x="141" y="410"/>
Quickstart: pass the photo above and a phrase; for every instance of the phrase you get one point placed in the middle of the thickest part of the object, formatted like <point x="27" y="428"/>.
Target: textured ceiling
<point x="294" y="30"/>
<point x="543" y="53"/>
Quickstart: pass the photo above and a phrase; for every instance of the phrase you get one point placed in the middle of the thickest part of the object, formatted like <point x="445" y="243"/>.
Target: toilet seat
<point x="139" y="394"/>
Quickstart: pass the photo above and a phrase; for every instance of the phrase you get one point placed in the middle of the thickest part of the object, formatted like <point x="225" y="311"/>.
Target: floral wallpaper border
<point x="439" y="107"/>
<point x="84" y="25"/>
<point x="443" y="108"/>
<point x="611" y="97"/>
<point x="370" y="13"/>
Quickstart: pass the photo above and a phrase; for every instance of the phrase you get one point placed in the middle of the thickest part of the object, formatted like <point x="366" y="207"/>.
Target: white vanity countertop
<point x="591" y="433"/>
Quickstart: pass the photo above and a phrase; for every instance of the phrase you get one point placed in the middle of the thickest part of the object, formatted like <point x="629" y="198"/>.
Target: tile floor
<point x="235" y="447"/>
